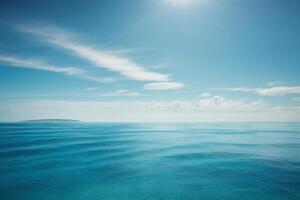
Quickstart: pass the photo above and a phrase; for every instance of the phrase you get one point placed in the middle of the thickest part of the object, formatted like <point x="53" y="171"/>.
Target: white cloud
<point x="163" y="86"/>
<point x="240" y="89"/>
<point x="282" y="90"/>
<point x="35" y="64"/>
<point x="223" y="104"/>
<point x="90" y="89"/>
<point x="271" y="91"/>
<point x="121" y="93"/>
<point x="205" y="94"/>
<point x="13" y="61"/>
<point x="102" y="59"/>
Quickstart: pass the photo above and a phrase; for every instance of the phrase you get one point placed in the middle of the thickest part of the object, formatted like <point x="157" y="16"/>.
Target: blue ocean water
<point x="149" y="161"/>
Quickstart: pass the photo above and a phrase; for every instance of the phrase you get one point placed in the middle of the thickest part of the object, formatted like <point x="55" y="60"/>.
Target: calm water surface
<point x="79" y="161"/>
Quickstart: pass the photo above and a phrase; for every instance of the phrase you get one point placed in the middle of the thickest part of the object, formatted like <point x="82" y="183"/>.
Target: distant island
<point x="52" y="120"/>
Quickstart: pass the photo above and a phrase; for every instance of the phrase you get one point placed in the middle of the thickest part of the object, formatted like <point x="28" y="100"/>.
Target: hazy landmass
<point x="52" y="120"/>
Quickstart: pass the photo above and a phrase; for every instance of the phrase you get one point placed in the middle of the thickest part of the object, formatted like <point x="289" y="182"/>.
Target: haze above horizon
<point x="165" y="60"/>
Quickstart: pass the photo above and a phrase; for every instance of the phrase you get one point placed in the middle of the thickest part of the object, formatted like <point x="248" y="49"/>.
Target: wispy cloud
<point x="123" y="65"/>
<point x="282" y="90"/>
<point x="36" y="64"/>
<point x="90" y="89"/>
<point x="206" y="94"/>
<point x="118" y="93"/>
<point x="163" y="86"/>
<point x="270" y="91"/>
<point x="167" y="105"/>
<point x="220" y="103"/>
<point x="14" y="61"/>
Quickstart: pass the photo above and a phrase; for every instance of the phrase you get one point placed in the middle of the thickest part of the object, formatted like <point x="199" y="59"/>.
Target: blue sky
<point x="150" y="60"/>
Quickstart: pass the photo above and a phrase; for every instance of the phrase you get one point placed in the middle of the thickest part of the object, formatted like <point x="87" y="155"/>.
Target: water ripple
<point x="149" y="161"/>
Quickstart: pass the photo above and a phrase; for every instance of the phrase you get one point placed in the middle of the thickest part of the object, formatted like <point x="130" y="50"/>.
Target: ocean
<point x="149" y="161"/>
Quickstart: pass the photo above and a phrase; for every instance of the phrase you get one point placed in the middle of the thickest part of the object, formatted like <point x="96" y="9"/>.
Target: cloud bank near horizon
<point x="215" y="108"/>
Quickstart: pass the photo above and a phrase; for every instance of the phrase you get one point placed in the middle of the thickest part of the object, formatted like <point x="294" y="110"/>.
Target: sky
<point x="150" y="60"/>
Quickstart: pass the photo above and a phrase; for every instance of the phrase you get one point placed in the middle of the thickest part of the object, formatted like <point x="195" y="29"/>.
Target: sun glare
<point x="180" y="2"/>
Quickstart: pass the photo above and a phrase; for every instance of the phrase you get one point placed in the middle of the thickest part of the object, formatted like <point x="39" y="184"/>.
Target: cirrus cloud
<point x="270" y="91"/>
<point x="118" y="93"/>
<point x="14" y="61"/>
<point x="123" y="65"/>
<point x="163" y="86"/>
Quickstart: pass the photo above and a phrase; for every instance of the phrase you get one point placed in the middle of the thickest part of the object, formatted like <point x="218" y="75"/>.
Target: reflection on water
<point x="149" y="161"/>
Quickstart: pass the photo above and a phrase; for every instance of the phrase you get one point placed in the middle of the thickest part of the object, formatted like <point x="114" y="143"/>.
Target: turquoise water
<point x="78" y="161"/>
